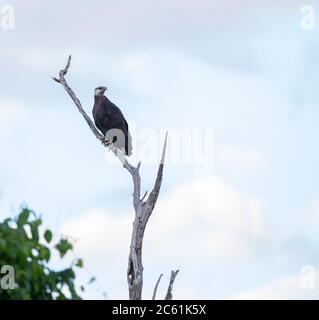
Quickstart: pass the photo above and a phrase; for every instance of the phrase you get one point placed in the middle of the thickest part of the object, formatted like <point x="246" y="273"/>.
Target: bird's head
<point x="99" y="91"/>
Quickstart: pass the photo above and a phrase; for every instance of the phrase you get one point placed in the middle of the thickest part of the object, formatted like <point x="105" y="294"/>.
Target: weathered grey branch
<point x="169" y="295"/>
<point x="143" y="209"/>
<point x="77" y="102"/>
<point x="152" y="198"/>
<point x="156" y="286"/>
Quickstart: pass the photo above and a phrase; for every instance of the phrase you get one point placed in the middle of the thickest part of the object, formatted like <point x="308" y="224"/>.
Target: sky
<point x="233" y="83"/>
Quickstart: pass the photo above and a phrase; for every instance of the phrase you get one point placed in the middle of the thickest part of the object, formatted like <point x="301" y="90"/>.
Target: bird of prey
<point x="110" y="121"/>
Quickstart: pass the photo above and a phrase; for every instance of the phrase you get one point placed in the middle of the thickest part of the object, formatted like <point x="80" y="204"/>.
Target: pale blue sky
<point x="246" y="70"/>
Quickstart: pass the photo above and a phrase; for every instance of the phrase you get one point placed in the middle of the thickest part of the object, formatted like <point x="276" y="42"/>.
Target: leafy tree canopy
<point x="28" y="250"/>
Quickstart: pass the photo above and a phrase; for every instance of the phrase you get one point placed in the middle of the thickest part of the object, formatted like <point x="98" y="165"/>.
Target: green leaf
<point x="63" y="247"/>
<point x="67" y="274"/>
<point x="48" y="236"/>
<point x="79" y="263"/>
<point x="34" y="230"/>
<point x="23" y="217"/>
<point x="44" y="253"/>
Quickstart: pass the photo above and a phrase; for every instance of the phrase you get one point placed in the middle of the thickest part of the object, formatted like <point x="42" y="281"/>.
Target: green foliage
<point x="63" y="247"/>
<point x="21" y="247"/>
<point x="48" y="236"/>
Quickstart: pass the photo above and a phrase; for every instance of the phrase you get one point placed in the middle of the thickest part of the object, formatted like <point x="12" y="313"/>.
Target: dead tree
<point x="143" y="208"/>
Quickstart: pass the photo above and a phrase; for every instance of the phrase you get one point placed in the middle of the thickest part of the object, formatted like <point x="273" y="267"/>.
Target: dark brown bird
<point x="110" y="121"/>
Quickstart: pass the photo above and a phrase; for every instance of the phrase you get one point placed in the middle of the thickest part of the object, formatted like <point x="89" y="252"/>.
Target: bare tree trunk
<point x="143" y="209"/>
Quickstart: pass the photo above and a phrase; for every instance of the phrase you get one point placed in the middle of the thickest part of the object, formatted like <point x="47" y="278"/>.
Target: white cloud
<point x="298" y="286"/>
<point x="222" y="222"/>
<point x="103" y="241"/>
<point x="210" y="217"/>
<point x="97" y="233"/>
<point x="207" y="217"/>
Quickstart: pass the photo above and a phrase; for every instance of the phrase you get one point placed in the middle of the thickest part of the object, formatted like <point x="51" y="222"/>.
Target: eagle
<point x="109" y="119"/>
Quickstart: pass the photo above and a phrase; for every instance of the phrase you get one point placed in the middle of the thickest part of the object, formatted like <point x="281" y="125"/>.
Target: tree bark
<point x="169" y="294"/>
